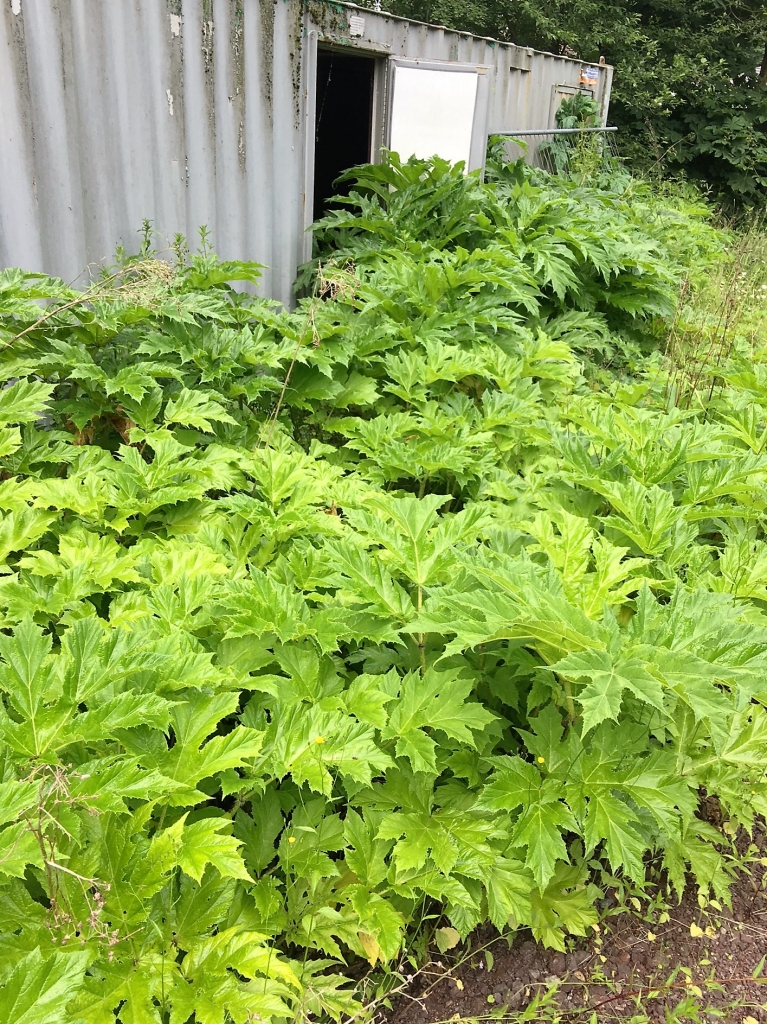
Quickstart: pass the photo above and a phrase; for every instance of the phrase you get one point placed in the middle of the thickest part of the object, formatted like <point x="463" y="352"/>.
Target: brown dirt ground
<point x="609" y="972"/>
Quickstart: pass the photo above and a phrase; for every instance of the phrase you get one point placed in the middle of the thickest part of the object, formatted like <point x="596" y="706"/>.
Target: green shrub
<point x="315" y="621"/>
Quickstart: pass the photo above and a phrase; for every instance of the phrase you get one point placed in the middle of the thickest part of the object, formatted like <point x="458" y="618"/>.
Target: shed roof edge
<point x="459" y="32"/>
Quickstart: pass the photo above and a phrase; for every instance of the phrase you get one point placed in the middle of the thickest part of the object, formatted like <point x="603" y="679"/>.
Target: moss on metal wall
<point x="206" y="44"/>
<point x="332" y="19"/>
<point x="295" y="53"/>
<point x="266" y="59"/>
<point x="237" y="73"/>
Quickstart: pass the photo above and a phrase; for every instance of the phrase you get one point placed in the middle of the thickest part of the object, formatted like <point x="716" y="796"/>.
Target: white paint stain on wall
<point x="175" y="25"/>
<point x="169" y="94"/>
<point x="16" y="6"/>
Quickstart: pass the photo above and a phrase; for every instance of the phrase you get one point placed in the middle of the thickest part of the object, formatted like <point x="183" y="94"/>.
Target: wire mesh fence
<point x="570" y="151"/>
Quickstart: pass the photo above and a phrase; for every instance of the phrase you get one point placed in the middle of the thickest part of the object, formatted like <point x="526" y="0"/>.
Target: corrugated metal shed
<point x="200" y="112"/>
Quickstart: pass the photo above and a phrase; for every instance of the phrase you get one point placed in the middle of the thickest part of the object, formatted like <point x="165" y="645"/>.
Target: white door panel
<point x="438" y="109"/>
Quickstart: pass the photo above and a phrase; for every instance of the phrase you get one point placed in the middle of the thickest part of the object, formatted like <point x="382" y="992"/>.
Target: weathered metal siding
<point x="183" y="112"/>
<point x="523" y="78"/>
<point x="190" y="113"/>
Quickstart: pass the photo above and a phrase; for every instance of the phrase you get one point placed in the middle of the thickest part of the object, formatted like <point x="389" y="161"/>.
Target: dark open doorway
<point x="344" y="120"/>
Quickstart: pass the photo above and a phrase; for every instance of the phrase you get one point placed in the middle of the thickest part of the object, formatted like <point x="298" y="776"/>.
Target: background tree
<point x="690" y="90"/>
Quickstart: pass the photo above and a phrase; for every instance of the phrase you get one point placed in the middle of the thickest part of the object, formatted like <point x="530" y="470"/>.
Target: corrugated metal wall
<point x="523" y="79"/>
<point x="189" y="113"/>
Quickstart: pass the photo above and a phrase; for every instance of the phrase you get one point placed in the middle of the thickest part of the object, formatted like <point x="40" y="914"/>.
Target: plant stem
<point x="571" y="713"/>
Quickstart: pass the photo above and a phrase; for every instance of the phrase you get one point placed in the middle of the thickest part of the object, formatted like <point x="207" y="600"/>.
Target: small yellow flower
<point x="320" y="740"/>
<point x="541" y="760"/>
<point x="291" y="839"/>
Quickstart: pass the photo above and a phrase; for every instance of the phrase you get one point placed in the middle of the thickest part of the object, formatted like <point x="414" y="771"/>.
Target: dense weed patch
<point x="440" y="594"/>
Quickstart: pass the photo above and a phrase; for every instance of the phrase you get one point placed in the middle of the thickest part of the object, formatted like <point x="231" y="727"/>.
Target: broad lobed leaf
<point x="422" y="594"/>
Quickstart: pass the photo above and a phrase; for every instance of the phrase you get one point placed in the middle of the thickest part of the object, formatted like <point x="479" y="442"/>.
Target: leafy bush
<point x="314" y="622"/>
<point x="587" y="155"/>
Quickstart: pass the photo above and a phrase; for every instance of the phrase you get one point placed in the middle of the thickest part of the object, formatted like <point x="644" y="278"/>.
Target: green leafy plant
<point x="584" y="156"/>
<point x="399" y="605"/>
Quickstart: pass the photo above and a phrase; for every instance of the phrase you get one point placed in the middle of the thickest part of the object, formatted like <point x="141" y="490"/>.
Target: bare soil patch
<point x="633" y="969"/>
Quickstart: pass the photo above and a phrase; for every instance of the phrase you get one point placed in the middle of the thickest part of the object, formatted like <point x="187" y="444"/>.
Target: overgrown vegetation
<point x="443" y="594"/>
<point x="690" y="88"/>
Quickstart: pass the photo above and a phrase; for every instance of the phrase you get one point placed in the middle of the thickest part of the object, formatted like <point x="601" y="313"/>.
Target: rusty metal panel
<point x="197" y="112"/>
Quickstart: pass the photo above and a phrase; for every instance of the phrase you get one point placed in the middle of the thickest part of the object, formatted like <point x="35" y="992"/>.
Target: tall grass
<point x="718" y="316"/>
